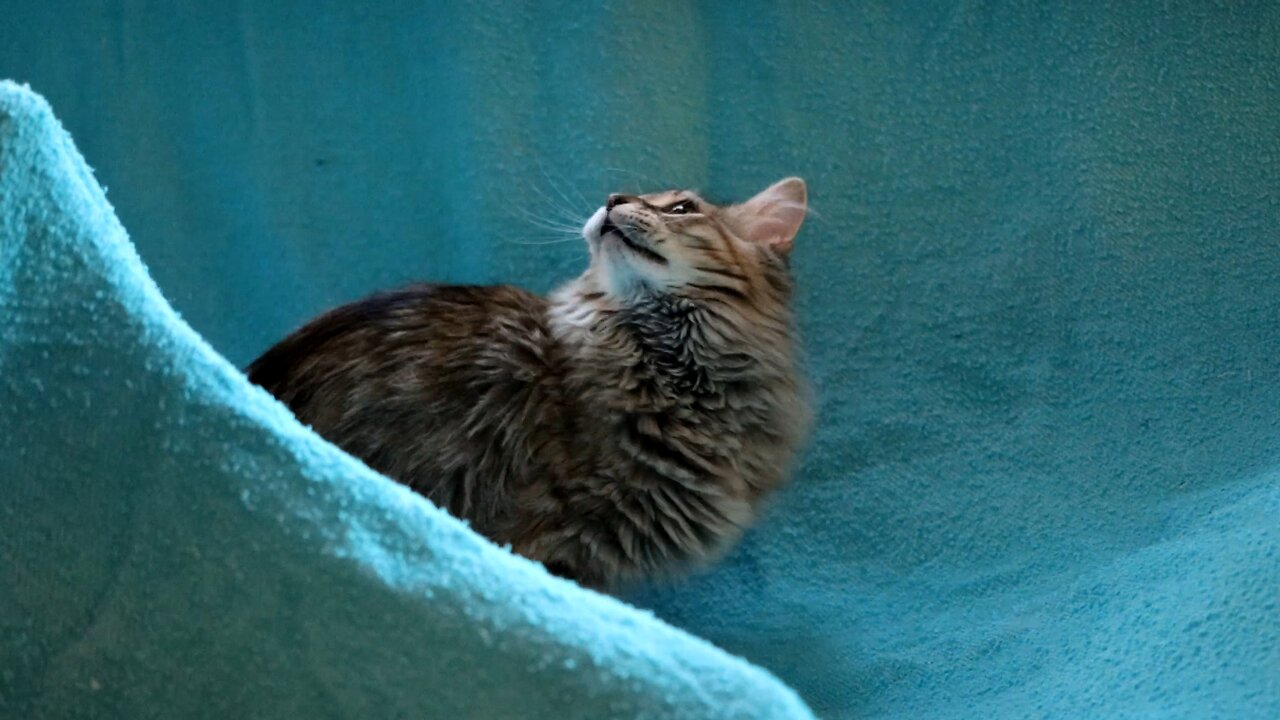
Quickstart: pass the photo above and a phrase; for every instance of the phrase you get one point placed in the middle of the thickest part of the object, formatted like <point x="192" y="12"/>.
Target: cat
<point x="626" y="428"/>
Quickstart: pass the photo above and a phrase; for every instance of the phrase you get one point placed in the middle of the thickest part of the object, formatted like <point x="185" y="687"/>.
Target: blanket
<point x="1039" y="297"/>
<point x="175" y="544"/>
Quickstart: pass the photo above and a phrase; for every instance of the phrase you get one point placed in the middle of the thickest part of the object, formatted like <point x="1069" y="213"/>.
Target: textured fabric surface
<point x="1040" y="297"/>
<point x="175" y="544"/>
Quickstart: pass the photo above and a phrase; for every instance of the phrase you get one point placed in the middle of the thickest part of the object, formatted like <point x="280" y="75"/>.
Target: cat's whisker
<point x="568" y="203"/>
<point x="523" y="216"/>
<point x="574" y="228"/>
<point x="576" y="190"/>
<point x="566" y="211"/>
<point x="547" y="213"/>
<point x="565" y="215"/>
<point x="545" y="197"/>
<point x="555" y="241"/>
<point x="545" y="224"/>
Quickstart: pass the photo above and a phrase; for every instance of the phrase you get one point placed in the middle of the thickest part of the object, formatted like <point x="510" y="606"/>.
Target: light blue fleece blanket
<point x="1040" y="298"/>
<point x="175" y="544"/>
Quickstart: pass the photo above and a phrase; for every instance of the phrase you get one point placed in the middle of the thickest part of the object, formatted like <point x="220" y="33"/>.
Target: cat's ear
<point x="773" y="217"/>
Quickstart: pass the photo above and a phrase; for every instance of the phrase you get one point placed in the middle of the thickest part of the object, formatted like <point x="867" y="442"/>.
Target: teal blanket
<point x="1040" y="299"/>
<point x="176" y="545"/>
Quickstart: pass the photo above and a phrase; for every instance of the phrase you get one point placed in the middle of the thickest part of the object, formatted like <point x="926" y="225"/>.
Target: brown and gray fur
<point x="626" y="427"/>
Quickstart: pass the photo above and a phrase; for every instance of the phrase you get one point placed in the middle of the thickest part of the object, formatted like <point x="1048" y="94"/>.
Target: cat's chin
<point x="591" y="230"/>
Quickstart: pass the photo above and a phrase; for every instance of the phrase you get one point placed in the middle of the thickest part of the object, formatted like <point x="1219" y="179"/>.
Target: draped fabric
<point x="1039" y="293"/>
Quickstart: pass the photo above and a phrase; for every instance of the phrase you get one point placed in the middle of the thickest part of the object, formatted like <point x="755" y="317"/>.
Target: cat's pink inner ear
<point x="773" y="217"/>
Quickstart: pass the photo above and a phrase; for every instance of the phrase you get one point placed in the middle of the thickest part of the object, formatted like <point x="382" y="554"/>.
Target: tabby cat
<point x="626" y="427"/>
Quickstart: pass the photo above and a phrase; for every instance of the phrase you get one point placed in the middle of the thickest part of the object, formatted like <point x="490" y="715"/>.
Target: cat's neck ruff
<point x="718" y="334"/>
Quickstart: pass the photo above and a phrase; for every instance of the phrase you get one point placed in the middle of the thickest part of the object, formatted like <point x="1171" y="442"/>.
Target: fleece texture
<point x="175" y="544"/>
<point x="1040" y="298"/>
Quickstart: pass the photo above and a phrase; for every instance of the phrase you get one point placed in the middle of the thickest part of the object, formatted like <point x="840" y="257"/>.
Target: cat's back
<point x="423" y="324"/>
<point x="397" y="368"/>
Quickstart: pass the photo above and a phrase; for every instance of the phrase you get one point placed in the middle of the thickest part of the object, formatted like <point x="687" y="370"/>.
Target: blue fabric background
<point x="1040" y="294"/>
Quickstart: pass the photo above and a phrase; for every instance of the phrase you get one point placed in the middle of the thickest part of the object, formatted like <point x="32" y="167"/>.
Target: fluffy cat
<point x="626" y="427"/>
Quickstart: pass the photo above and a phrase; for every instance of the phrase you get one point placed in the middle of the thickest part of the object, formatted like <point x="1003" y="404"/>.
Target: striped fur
<point x="627" y="427"/>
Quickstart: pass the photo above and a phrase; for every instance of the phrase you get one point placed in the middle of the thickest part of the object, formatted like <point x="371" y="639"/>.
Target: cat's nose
<point x="615" y="200"/>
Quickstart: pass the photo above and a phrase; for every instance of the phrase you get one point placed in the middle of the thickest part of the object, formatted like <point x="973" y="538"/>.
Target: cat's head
<point x="676" y="243"/>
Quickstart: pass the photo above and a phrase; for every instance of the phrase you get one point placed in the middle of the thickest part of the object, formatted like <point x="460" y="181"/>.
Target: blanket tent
<point x="1040" y="298"/>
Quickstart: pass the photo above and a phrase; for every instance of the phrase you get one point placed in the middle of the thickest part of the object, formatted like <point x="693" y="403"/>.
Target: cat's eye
<point x="684" y="207"/>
